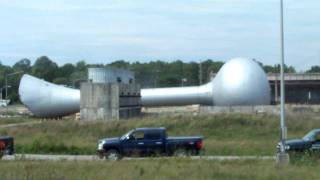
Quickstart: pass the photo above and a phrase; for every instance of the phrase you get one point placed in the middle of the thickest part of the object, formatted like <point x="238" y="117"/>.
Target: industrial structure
<point x="300" y="88"/>
<point x="239" y="82"/>
<point x="46" y="99"/>
<point x="109" y="94"/>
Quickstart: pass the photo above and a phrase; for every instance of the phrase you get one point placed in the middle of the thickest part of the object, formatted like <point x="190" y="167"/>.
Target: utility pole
<point x="11" y="74"/>
<point x="6" y="86"/>
<point x="1" y="92"/>
<point x="282" y="156"/>
<point x="200" y="72"/>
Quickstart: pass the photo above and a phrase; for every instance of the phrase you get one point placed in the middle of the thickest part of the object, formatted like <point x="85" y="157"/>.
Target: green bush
<point x="48" y="147"/>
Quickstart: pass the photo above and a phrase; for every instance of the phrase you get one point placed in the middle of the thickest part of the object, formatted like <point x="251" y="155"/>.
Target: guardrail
<point x="295" y="77"/>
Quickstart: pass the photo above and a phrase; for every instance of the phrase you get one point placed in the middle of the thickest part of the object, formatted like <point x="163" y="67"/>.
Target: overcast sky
<point x="101" y="31"/>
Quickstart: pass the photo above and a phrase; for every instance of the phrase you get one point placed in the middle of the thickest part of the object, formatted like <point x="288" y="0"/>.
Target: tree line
<point x="148" y="74"/>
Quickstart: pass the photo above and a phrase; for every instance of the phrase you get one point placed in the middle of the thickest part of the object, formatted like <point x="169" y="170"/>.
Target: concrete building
<point x="109" y="94"/>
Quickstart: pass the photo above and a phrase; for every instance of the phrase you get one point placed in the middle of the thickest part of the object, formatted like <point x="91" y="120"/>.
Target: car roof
<point x="150" y="129"/>
<point x="316" y="130"/>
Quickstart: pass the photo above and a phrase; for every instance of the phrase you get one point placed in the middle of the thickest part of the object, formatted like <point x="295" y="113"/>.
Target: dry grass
<point x="157" y="169"/>
<point x="225" y="134"/>
<point x="13" y="120"/>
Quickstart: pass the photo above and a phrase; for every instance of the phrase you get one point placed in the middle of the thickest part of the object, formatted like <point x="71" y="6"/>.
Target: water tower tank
<point x="110" y="75"/>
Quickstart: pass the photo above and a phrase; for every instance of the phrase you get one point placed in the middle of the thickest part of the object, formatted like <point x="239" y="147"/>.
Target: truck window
<point x="153" y="135"/>
<point x="317" y="136"/>
<point x="138" y="135"/>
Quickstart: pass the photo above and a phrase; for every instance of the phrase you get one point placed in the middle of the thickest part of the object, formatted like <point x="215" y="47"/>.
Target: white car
<point x="4" y="102"/>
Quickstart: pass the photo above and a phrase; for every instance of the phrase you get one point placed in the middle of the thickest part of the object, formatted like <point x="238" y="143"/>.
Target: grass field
<point x="4" y="121"/>
<point x="157" y="169"/>
<point x="225" y="134"/>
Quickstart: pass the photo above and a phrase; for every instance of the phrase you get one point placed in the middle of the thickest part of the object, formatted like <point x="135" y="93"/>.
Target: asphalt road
<point x="95" y="158"/>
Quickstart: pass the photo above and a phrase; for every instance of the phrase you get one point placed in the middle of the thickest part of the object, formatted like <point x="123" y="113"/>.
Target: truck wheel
<point x="113" y="155"/>
<point x="180" y="152"/>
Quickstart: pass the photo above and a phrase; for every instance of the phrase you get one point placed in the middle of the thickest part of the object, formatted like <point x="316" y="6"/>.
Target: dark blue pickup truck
<point x="148" y="142"/>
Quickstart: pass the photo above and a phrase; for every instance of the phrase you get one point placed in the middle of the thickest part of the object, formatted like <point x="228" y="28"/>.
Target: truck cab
<point x="145" y="141"/>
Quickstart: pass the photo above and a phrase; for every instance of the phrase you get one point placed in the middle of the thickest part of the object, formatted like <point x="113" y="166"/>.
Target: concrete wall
<point x="270" y="109"/>
<point x="99" y="101"/>
<point x="109" y="101"/>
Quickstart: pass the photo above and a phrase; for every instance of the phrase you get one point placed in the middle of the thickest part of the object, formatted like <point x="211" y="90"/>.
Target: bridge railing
<point x="295" y="76"/>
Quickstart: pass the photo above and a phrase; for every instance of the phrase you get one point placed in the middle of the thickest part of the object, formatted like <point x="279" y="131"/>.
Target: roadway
<point x="95" y="158"/>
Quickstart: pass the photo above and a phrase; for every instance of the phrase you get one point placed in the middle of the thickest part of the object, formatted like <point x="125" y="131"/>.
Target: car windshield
<point x="310" y="136"/>
<point x="126" y="135"/>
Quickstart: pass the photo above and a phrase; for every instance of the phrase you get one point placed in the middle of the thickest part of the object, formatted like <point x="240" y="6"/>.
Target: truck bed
<point x="183" y="138"/>
<point x="191" y="143"/>
<point x="9" y="144"/>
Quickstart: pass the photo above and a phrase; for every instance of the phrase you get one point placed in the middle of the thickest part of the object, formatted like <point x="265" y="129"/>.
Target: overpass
<point x="300" y="88"/>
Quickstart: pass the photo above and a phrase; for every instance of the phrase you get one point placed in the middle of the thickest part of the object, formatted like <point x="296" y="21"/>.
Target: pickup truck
<point x="6" y="146"/>
<point x="148" y="142"/>
<point x="309" y="143"/>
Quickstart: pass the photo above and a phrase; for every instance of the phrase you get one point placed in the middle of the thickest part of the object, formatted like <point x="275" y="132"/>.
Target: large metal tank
<point x="239" y="82"/>
<point x="110" y="75"/>
<point x="46" y="99"/>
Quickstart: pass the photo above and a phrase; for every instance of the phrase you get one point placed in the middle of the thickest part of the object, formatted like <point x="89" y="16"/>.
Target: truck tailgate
<point x="8" y="144"/>
<point x="183" y="138"/>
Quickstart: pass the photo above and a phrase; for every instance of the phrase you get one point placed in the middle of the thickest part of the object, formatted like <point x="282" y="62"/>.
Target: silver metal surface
<point x="239" y="82"/>
<point x="45" y="99"/>
<point x="177" y="96"/>
<point x="110" y="75"/>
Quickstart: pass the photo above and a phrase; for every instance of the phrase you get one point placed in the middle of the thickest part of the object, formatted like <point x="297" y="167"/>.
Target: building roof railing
<point x="295" y="76"/>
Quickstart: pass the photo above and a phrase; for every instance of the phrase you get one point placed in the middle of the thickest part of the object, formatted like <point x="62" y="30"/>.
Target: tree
<point x="191" y="72"/>
<point x="66" y="70"/>
<point x="120" y="64"/>
<point x="45" y="68"/>
<point x="61" y="80"/>
<point x="216" y="66"/>
<point x="23" y="65"/>
<point x="81" y="66"/>
<point x="276" y="69"/>
<point x="143" y="74"/>
<point x="77" y="77"/>
<point x="314" y="69"/>
<point x="269" y="69"/>
<point x="3" y="71"/>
